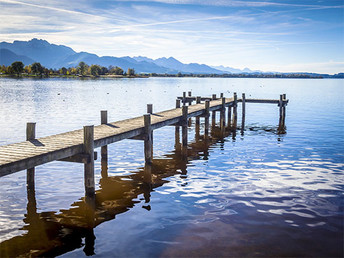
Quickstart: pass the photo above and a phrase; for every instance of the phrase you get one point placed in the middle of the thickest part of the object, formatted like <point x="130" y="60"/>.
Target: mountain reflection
<point x="56" y="233"/>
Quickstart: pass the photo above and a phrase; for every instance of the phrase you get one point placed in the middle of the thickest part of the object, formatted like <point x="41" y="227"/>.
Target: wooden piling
<point x="177" y="103"/>
<point x="148" y="146"/>
<point x="149" y="108"/>
<point x="189" y="95"/>
<point x="89" y="165"/>
<point x="222" y="114"/>
<point x="30" y="173"/>
<point x="281" y="104"/>
<point x="184" y="98"/>
<point x="243" y="113"/>
<point x="235" y="111"/>
<point x="229" y="116"/>
<point x="184" y="123"/>
<point x="221" y="95"/>
<point x="213" y="114"/>
<point x="284" y="109"/>
<point x="197" y="123"/>
<point x="104" y="149"/>
<point x="177" y="130"/>
<point x="206" y="119"/>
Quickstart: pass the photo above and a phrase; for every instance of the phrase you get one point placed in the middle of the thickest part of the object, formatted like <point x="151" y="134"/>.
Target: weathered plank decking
<point x="24" y="155"/>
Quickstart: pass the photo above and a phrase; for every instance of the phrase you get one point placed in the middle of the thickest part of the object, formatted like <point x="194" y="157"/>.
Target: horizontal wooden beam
<point x="80" y="158"/>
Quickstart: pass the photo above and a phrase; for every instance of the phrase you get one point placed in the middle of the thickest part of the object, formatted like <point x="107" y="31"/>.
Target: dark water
<point x="260" y="194"/>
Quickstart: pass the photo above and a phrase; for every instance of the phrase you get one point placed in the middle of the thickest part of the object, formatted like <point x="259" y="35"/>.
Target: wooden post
<point x="184" y="98"/>
<point x="190" y="94"/>
<point x="150" y="111"/>
<point x="280" y="104"/>
<point x="104" y="149"/>
<point x="235" y="111"/>
<point x="177" y="130"/>
<point x="229" y="116"/>
<point x="206" y="119"/>
<point x="197" y="126"/>
<point x="221" y="95"/>
<point x="30" y="173"/>
<point x="222" y="114"/>
<point x="281" y="124"/>
<point x="148" y="146"/>
<point x="213" y="114"/>
<point x="213" y="119"/>
<point x="184" y="123"/>
<point x="198" y="99"/>
<point x="89" y="165"/>
<point x="149" y="108"/>
<point x="284" y="109"/>
<point x="177" y="103"/>
<point x="243" y="113"/>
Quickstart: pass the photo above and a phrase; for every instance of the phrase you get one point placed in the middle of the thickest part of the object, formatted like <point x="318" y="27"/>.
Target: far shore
<point x="112" y="76"/>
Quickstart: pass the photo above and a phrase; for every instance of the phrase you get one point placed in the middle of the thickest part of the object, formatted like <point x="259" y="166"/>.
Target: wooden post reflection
<point x="147" y="184"/>
<point x="89" y="242"/>
<point x="31" y="206"/>
<point x="104" y="149"/>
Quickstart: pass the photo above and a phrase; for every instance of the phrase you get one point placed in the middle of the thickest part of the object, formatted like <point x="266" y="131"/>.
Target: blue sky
<point x="267" y="35"/>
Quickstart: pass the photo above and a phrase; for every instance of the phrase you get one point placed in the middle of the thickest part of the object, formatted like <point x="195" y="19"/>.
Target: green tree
<point x="17" y="67"/>
<point x="104" y="70"/>
<point x="95" y="70"/>
<point x="37" y="68"/>
<point x="131" y="72"/>
<point x="117" y="71"/>
<point x="82" y="68"/>
<point x="63" y="70"/>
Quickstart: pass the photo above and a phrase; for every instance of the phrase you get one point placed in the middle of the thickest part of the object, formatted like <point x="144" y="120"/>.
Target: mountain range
<point x="57" y="56"/>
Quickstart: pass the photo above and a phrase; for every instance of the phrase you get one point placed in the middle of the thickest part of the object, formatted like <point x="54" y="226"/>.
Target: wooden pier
<point x="79" y="145"/>
<point x="53" y="233"/>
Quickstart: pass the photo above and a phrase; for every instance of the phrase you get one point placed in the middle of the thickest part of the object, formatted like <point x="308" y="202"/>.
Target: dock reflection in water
<point x="56" y="233"/>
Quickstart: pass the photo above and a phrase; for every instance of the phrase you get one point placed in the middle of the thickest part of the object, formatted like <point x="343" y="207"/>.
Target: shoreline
<point x="246" y="76"/>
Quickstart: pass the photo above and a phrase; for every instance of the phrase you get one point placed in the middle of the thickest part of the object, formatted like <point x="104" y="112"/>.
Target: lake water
<point x="257" y="194"/>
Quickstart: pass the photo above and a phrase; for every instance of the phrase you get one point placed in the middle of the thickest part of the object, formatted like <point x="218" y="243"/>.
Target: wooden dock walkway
<point x="78" y="145"/>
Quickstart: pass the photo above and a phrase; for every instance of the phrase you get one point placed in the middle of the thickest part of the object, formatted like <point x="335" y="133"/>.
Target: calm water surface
<point x="257" y="194"/>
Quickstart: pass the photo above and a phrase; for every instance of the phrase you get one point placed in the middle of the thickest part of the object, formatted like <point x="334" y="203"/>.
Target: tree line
<point x="82" y="69"/>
